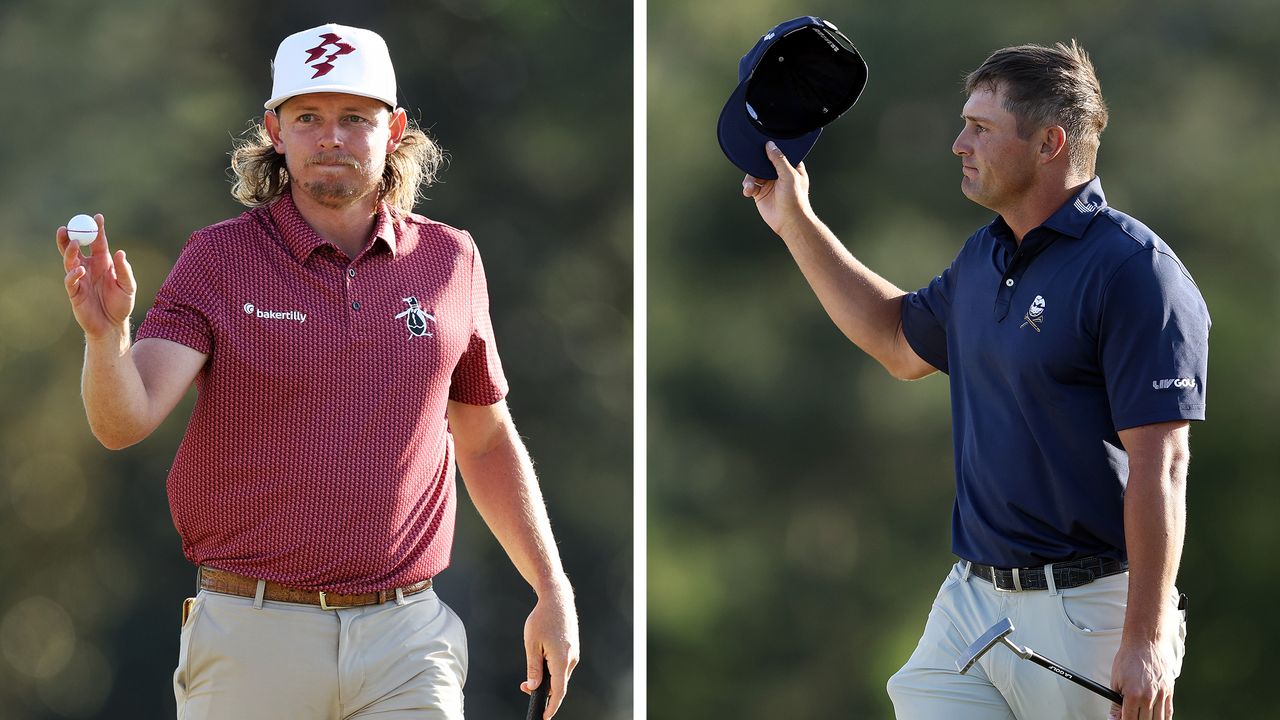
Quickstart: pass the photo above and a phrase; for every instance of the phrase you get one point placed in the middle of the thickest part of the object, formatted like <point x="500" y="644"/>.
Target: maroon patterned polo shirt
<point x="318" y="454"/>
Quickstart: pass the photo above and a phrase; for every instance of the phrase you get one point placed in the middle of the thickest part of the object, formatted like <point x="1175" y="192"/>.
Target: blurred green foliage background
<point x="128" y="108"/>
<point x="800" y="498"/>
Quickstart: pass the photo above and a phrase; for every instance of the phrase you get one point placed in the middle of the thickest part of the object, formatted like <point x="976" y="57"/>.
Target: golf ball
<point x="82" y="229"/>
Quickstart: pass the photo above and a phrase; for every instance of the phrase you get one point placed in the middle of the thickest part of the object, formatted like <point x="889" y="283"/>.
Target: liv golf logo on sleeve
<point x="1173" y="382"/>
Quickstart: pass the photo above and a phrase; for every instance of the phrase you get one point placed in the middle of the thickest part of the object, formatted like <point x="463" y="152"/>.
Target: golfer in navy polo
<point x="1076" y="343"/>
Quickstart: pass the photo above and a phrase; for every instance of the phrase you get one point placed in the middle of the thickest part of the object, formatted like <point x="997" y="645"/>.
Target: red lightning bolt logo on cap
<point x="332" y="58"/>
<point x="313" y="54"/>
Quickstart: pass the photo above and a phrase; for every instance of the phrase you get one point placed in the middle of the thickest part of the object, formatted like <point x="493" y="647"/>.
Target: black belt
<point x="1069" y="574"/>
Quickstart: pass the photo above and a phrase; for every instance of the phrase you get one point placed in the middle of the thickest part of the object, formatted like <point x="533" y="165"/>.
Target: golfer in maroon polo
<point x="344" y="361"/>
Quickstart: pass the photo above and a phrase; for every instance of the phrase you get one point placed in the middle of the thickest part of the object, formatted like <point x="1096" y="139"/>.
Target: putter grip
<point x="1075" y="677"/>
<point x="538" y="698"/>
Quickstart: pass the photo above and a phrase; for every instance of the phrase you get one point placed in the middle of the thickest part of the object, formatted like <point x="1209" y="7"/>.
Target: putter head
<point x="979" y="647"/>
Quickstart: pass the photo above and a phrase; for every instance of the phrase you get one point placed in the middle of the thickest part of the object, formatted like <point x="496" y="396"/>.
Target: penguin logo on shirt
<point x="415" y="318"/>
<point x="1035" y="314"/>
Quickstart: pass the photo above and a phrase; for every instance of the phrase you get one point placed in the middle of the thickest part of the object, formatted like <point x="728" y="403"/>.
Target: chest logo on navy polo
<point x="1035" y="314"/>
<point x="415" y="318"/>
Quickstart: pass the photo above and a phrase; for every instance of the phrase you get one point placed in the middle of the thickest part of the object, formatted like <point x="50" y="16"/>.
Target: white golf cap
<point x="333" y="58"/>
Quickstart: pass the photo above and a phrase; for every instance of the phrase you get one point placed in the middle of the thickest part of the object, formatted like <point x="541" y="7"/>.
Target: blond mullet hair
<point x="261" y="175"/>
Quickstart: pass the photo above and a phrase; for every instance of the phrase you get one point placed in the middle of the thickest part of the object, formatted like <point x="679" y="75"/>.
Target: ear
<point x="271" y="122"/>
<point x="1053" y="140"/>
<point x="399" y="123"/>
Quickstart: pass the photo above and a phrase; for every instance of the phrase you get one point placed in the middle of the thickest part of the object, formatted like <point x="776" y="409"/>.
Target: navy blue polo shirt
<point x="1092" y="325"/>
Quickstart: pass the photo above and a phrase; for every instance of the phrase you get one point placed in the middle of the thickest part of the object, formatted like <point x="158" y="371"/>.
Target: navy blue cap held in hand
<point x="800" y="76"/>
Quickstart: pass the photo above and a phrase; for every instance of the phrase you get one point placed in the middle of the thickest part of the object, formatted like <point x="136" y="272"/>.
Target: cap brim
<point x="743" y="143"/>
<point x="275" y="102"/>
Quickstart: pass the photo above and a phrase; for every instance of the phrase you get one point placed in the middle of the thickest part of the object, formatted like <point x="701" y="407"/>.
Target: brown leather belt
<point x="223" y="581"/>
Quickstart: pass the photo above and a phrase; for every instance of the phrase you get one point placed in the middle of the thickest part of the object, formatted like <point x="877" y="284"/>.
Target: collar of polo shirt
<point x="302" y="239"/>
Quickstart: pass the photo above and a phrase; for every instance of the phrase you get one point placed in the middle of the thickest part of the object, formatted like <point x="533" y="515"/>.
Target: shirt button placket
<point x="355" y="304"/>
<point x="1004" y="295"/>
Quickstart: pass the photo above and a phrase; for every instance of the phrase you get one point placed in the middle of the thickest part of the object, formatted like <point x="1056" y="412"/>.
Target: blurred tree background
<point x="128" y="108"/>
<point x="800" y="498"/>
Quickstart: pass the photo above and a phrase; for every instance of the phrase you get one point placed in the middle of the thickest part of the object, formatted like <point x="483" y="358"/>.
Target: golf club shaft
<point x="1074" y="677"/>
<point x="538" y="698"/>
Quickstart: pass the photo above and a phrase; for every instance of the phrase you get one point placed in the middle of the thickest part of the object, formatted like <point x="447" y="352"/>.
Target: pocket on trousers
<point x="192" y="610"/>
<point x="189" y="615"/>
<point x="1097" y="608"/>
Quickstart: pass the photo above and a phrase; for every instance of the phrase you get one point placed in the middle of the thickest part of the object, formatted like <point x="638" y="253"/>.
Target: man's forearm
<point x="499" y="477"/>
<point x="1146" y="663"/>
<point x="865" y="306"/>
<point x="1155" y="523"/>
<point x="504" y="489"/>
<point x="115" y="398"/>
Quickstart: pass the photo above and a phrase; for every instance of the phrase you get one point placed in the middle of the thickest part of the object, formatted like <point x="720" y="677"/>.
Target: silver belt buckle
<point x="995" y="580"/>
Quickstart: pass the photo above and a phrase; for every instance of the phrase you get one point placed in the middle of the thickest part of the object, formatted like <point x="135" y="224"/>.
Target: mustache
<point x="333" y="158"/>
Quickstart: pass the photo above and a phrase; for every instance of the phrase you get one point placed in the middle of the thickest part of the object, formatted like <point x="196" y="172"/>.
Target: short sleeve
<point x="478" y="377"/>
<point x="184" y="304"/>
<point x="925" y="314"/>
<point x="1154" y="342"/>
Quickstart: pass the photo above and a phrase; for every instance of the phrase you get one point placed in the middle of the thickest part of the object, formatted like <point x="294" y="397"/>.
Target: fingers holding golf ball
<point x="82" y="229"/>
<point x="100" y="284"/>
<point x="76" y="239"/>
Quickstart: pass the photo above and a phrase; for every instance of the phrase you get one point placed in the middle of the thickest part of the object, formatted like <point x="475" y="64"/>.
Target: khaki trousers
<point x="241" y="659"/>
<point x="1079" y="627"/>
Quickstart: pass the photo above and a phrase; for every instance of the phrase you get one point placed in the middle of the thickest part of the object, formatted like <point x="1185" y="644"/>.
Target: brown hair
<point x="261" y="174"/>
<point x="1049" y="86"/>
